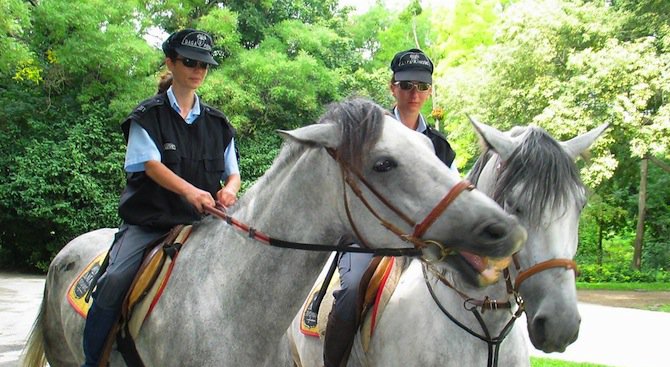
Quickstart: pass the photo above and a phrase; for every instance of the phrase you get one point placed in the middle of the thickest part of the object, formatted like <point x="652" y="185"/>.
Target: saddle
<point x="383" y="281"/>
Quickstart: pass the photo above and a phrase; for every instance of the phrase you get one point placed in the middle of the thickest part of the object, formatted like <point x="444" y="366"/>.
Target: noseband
<point x="568" y="264"/>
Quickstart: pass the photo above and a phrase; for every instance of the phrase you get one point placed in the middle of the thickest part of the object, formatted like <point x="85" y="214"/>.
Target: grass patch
<point x="660" y="308"/>
<point x="625" y="286"/>
<point x="547" y="362"/>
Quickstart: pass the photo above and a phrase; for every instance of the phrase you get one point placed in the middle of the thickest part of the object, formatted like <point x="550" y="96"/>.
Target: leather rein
<point x="348" y="177"/>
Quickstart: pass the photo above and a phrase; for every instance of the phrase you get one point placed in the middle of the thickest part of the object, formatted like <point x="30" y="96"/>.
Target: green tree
<point x="16" y="55"/>
<point x="70" y="72"/>
<point x="569" y="66"/>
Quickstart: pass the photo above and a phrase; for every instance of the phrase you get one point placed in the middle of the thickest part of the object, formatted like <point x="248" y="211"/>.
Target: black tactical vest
<point x="192" y="151"/>
<point x="443" y="149"/>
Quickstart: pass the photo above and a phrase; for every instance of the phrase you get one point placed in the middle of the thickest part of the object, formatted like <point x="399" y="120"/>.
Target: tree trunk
<point x="416" y="37"/>
<point x="641" y="211"/>
<point x="600" y="243"/>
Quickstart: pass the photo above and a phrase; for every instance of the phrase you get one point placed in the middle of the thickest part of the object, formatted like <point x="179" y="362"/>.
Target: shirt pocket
<point x="214" y="164"/>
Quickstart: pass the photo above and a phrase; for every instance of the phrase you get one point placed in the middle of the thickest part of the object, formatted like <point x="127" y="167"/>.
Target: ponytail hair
<point x="164" y="82"/>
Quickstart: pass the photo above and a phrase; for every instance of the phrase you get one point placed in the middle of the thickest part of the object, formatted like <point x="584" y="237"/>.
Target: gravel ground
<point x="630" y="299"/>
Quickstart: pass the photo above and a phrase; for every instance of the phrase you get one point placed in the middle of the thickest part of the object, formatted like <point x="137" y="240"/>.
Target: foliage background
<point x="71" y="71"/>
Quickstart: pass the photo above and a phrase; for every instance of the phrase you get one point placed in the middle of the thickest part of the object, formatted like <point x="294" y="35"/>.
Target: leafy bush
<point x="619" y="272"/>
<point x="257" y="152"/>
<point x="59" y="187"/>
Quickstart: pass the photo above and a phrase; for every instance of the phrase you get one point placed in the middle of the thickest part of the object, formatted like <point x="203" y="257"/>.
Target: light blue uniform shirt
<point x="421" y="127"/>
<point x="142" y="149"/>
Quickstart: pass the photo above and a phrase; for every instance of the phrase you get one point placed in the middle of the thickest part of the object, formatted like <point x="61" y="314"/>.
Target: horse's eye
<point x="512" y="208"/>
<point x="385" y="165"/>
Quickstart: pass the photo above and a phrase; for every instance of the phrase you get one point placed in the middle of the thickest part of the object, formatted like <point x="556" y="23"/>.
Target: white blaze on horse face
<point x="555" y="237"/>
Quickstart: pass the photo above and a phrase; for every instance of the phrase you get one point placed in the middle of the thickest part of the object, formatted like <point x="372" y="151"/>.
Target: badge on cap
<point x="198" y="40"/>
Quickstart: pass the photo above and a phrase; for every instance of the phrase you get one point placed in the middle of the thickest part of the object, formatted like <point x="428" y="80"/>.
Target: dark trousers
<point x="352" y="266"/>
<point x="343" y="319"/>
<point x="125" y="258"/>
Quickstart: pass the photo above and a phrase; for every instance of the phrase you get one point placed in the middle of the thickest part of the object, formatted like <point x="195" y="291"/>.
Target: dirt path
<point x="644" y="300"/>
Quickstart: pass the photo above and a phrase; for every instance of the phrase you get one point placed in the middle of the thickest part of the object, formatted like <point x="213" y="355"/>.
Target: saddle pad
<point x="387" y="285"/>
<point x="385" y="279"/>
<point x="76" y="295"/>
<point x="315" y="325"/>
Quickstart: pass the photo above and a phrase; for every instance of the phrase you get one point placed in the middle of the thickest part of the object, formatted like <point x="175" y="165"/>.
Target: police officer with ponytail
<point x="179" y="152"/>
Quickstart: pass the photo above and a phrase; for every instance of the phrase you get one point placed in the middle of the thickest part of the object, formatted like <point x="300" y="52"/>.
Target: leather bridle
<point x="568" y="264"/>
<point x="487" y="303"/>
<point x="513" y="289"/>
<point x="419" y="229"/>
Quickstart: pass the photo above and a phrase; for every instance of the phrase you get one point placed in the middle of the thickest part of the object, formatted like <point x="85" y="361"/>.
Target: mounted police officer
<point x="411" y="86"/>
<point x="179" y="150"/>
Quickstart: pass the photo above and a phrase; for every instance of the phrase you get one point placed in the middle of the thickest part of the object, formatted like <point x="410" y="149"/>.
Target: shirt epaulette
<point x="149" y="103"/>
<point x="213" y="111"/>
<point x="141" y="108"/>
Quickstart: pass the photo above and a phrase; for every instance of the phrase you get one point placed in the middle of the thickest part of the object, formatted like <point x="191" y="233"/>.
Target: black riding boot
<point x="338" y="341"/>
<point x="98" y="324"/>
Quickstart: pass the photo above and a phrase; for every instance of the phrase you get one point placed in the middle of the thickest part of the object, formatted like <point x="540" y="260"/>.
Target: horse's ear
<point x="494" y="138"/>
<point x="323" y="134"/>
<point x="578" y="145"/>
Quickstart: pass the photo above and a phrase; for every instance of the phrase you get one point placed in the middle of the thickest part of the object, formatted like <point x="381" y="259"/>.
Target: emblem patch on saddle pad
<point x="76" y="295"/>
<point x="380" y="289"/>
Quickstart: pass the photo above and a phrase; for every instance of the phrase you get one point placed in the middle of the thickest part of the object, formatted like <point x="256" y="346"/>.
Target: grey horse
<point x="534" y="177"/>
<point x="227" y="300"/>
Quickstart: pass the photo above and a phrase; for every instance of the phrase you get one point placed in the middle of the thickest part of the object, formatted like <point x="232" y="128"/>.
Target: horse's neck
<point x="291" y="202"/>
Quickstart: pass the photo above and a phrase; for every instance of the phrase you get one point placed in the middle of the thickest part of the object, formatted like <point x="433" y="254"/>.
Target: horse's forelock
<point x="361" y="123"/>
<point x="478" y="168"/>
<point x="541" y="169"/>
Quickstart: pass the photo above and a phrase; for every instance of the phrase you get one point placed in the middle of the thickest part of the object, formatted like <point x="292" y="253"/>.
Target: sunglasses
<point x="420" y="86"/>
<point x="190" y="63"/>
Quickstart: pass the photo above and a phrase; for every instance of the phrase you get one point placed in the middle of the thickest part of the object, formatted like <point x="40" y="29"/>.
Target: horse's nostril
<point x="538" y="326"/>
<point x="495" y="231"/>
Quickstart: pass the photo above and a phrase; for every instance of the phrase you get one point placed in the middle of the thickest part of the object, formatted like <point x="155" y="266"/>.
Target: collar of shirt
<point x="420" y="127"/>
<point x="193" y="114"/>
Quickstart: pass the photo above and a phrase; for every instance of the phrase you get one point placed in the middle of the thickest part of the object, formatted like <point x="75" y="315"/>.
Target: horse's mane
<point x="540" y="168"/>
<point x="360" y="122"/>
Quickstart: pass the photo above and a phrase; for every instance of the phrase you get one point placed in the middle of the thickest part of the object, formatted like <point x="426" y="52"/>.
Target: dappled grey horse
<point x="534" y="177"/>
<point x="227" y="300"/>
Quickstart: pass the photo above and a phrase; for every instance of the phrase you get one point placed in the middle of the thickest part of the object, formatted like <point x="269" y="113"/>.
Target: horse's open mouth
<point x="488" y="269"/>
